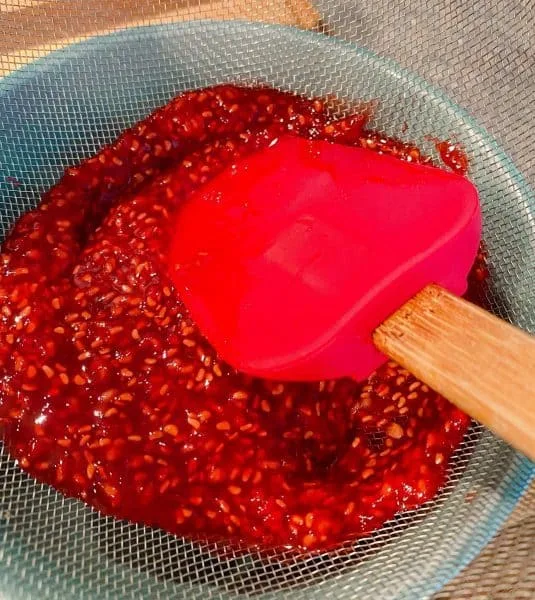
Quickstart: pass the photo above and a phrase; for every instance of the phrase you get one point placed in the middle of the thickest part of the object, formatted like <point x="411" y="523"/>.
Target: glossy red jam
<point x="110" y="394"/>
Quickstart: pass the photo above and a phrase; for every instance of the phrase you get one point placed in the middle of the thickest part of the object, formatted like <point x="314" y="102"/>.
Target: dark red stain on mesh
<point x="13" y="181"/>
<point x="109" y="393"/>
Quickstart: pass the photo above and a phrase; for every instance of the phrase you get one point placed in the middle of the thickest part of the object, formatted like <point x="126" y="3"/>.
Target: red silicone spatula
<point x="312" y="260"/>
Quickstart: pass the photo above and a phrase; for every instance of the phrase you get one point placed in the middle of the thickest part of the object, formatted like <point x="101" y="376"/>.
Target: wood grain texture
<point x="33" y="28"/>
<point x="480" y="363"/>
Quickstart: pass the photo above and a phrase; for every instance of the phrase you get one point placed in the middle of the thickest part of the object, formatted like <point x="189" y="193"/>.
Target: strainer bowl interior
<point x="63" y="108"/>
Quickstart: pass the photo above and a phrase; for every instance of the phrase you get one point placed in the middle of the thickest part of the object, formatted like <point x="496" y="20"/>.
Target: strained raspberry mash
<point x="110" y="394"/>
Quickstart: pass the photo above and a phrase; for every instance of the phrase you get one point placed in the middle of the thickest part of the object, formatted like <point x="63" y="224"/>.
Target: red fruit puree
<point x="110" y="393"/>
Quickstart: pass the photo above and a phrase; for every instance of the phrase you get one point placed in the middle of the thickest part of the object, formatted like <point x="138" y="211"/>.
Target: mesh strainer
<point x="67" y="104"/>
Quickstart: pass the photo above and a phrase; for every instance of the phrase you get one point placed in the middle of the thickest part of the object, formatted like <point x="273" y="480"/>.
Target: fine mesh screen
<point x="65" y="106"/>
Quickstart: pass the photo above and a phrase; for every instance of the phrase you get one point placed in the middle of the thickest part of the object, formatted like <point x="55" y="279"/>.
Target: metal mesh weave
<point x="64" y="107"/>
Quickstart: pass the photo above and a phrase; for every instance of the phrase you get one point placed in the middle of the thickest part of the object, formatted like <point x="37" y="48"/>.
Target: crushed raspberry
<point x="453" y="155"/>
<point x="110" y="393"/>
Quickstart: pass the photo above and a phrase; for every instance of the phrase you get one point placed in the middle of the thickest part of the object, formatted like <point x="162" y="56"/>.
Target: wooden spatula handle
<point x="480" y="363"/>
